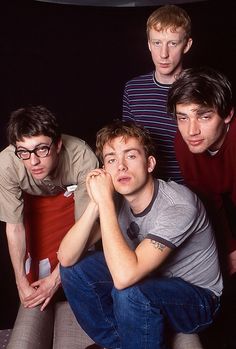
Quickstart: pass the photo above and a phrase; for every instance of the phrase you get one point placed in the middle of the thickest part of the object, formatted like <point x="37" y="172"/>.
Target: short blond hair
<point x="169" y="16"/>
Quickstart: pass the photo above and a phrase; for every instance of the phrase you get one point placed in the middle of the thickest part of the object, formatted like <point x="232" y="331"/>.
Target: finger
<point x="36" y="284"/>
<point x="45" y="304"/>
<point x="36" y="302"/>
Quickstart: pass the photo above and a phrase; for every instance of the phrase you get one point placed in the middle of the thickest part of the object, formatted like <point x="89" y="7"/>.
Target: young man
<point x="201" y="100"/>
<point x="42" y="192"/>
<point x="145" y="97"/>
<point x="159" y="266"/>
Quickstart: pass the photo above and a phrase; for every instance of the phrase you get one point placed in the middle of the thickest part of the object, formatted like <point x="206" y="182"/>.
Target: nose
<point x="194" y="128"/>
<point x="122" y="166"/>
<point x="34" y="159"/>
<point x="164" y="51"/>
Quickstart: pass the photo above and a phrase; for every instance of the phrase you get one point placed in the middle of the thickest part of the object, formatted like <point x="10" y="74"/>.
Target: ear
<point x="59" y="145"/>
<point x="229" y="117"/>
<point x="151" y="163"/>
<point x="149" y="45"/>
<point x="188" y="45"/>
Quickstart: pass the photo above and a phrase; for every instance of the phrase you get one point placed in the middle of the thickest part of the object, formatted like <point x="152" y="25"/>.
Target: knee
<point x="66" y="274"/>
<point x="129" y="300"/>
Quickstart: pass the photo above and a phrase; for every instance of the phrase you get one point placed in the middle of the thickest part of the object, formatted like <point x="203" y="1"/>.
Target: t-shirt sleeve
<point x="126" y="109"/>
<point x="11" y="201"/>
<point x="87" y="163"/>
<point x="174" y="225"/>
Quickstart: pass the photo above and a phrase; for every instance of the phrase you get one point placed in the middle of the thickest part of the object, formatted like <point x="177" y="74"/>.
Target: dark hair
<point x="203" y="86"/>
<point x="124" y="129"/>
<point x="32" y="121"/>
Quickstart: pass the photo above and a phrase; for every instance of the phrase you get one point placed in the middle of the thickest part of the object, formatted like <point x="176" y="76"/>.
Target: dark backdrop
<point x="75" y="60"/>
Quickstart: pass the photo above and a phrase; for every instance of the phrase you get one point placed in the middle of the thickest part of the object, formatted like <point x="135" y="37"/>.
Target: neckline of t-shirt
<point x="160" y="83"/>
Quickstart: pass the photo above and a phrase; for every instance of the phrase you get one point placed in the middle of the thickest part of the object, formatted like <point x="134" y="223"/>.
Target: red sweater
<point x="213" y="178"/>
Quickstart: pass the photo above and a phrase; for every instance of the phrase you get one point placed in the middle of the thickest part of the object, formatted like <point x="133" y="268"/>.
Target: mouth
<point x="164" y="65"/>
<point x="123" y="180"/>
<point x="195" y="143"/>
<point x="37" y="171"/>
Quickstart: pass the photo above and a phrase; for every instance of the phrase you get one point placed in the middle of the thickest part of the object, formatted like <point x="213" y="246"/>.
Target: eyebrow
<point x="38" y="145"/>
<point x="198" y="111"/>
<point x="112" y="153"/>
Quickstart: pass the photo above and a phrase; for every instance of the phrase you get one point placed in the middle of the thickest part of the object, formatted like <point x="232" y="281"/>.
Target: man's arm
<point x="17" y="249"/>
<point x="126" y="110"/>
<point x="44" y="288"/>
<point x="39" y="292"/>
<point x="81" y="236"/>
<point x="126" y="266"/>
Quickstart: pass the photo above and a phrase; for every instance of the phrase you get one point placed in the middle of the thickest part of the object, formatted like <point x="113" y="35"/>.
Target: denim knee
<point x="128" y="301"/>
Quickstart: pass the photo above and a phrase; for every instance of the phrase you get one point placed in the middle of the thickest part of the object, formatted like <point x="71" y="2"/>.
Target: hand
<point x="24" y="290"/>
<point x="232" y="262"/>
<point x="99" y="185"/>
<point x="44" y="289"/>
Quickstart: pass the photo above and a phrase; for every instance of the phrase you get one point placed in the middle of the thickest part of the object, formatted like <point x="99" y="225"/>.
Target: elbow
<point x="123" y="281"/>
<point x="64" y="261"/>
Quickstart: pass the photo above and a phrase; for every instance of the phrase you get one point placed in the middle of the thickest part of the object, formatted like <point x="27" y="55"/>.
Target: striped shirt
<point x="145" y="102"/>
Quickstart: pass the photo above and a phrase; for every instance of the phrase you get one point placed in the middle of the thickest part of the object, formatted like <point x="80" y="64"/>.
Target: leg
<point x="146" y="309"/>
<point x="186" y="341"/>
<point x="32" y="329"/>
<point x="88" y="285"/>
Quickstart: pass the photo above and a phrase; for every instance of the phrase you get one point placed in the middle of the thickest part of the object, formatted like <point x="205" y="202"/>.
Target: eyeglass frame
<point x="48" y="147"/>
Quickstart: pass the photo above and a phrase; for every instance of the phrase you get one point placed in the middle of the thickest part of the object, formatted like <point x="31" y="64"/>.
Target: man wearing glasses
<point x="42" y="193"/>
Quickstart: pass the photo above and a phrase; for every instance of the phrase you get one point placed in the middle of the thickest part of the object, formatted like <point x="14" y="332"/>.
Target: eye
<point x="173" y="43"/>
<point x="181" y="118"/>
<point x="157" y="43"/>
<point x="42" y="149"/>
<point x="22" y="152"/>
<point x="110" y="161"/>
<point x="131" y="156"/>
<point x="205" y="117"/>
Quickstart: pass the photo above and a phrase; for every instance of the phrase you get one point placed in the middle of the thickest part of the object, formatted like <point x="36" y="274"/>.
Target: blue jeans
<point x="136" y="317"/>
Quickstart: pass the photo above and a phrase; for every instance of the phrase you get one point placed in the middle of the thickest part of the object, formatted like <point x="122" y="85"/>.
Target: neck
<point x="215" y="147"/>
<point x="142" y="198"/>
<point x="168" y="79"/>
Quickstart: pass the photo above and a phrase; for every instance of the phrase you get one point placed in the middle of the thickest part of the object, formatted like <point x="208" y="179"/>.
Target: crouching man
<point x="159" y="266"/>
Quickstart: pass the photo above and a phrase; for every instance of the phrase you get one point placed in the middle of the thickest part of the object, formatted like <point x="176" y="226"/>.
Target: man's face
<point x="128" y="165"/>
<point x="167" y="48"/>
<point x="201" y="127"/>
<point x="40" y="167"/>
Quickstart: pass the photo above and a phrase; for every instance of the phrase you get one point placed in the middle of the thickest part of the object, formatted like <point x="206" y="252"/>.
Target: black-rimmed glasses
<point x="41" y="151"/>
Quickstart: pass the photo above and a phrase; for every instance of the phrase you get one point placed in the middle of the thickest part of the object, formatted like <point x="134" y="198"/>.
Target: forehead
<point x="121" y="144"/>
<point x="170" y="33"/>
<point x="192" y="107"/>
<point x="34" y="141"/>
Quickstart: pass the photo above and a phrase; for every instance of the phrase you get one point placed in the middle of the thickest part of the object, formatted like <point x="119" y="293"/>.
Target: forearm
<point x="17" y="249"/>
<point x="56" y="276"/>
<point x="80" y="237"/>
<point x="121" y="260"/>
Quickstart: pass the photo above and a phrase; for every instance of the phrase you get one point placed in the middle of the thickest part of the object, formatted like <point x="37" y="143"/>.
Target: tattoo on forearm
<point x="158" y="245"/>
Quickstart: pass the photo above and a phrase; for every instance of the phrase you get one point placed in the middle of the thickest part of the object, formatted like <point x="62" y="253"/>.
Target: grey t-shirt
<point x="177" y="218"/>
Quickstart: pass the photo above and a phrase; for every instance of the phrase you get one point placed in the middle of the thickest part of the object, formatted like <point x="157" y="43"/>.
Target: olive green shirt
<point x="76" y="159"/>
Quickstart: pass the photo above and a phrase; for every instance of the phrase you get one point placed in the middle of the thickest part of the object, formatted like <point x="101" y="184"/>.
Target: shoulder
<point x="176" y="194"/>
<point x="77" y="149"/>
<point x="75" y="144"/>
<point x="8" y="159"/>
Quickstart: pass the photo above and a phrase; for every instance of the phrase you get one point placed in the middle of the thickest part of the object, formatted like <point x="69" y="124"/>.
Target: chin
<point x="196" y="150"/>
<point x="39" y="176"/>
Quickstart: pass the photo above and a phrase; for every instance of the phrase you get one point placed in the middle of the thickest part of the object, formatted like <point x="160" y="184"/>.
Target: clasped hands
<point x="99" y="186"/>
